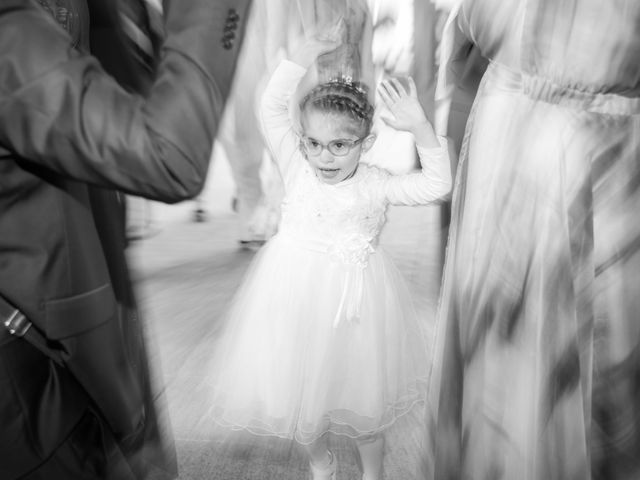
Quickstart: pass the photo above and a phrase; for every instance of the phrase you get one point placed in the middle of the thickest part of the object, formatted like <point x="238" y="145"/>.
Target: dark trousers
<point x="47" y="426"/>
<point x="88" y="453"/>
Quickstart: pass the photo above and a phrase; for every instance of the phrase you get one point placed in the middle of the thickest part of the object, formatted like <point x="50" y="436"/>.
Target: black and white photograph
<point x="319" y="240"/>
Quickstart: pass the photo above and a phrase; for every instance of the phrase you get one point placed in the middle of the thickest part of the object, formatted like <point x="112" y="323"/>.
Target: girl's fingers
<point x="398" y="87"/>
<point x="391" y="90"/>
<point x="384" y="94"/>
<point x="413" y="90"/>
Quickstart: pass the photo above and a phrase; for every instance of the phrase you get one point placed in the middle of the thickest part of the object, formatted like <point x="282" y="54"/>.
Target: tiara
<point x="348" y="80"/>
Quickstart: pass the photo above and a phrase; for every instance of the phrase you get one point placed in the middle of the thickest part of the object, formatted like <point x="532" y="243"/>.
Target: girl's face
<point x="324" y="128"/>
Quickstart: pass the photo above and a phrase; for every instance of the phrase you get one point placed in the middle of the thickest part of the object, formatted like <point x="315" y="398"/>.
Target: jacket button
<point x="227" y="44"/>
<point x="232" y="15"/>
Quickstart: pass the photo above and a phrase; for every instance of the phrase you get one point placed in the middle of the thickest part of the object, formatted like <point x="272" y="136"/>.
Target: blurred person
<point x="424" y="64"/>
<point x="240" y="136"/>
<point x="333" y="345"/>
<point x="537" y="347"/>
<point x="77" y="399"/>
<point x="254" y="201"/>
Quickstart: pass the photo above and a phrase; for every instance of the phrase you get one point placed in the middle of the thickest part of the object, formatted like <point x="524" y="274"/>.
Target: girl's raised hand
<point x="319" y="43"/>
<point x="408" y="114"/>
<point x="403" y="104"/>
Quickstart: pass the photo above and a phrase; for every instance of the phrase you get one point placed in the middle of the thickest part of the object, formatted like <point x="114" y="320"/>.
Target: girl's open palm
<point x="408" y="114"/>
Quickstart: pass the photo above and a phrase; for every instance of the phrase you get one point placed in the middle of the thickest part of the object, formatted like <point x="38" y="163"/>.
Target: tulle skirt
<point x="284" y="366"/>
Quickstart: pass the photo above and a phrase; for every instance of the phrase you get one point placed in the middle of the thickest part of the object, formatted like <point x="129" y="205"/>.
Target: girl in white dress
<point x="322" y="336"/>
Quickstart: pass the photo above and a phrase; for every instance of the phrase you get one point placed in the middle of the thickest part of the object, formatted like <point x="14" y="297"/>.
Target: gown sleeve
<point x="430" y="185"/>
<point x="462" y="66"/>
<point x="275" y="115"/>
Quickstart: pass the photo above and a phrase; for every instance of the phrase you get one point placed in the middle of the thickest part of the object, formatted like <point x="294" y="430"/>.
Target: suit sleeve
<point x="59" y="110"/>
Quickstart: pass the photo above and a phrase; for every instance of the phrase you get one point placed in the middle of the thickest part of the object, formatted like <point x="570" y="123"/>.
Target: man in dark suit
<point x="75" y="395"/>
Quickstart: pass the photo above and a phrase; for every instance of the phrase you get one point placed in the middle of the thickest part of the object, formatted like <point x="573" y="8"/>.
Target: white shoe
<point x="325" y="473"/>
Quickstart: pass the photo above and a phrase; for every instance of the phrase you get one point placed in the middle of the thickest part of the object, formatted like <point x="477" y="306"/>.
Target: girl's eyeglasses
<point x="339" y="148"/>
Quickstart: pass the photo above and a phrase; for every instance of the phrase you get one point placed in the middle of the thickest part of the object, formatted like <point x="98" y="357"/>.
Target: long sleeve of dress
<point x="60" y="111"/>
<point x="431" y="184"/>
<point x="275" y="117"/>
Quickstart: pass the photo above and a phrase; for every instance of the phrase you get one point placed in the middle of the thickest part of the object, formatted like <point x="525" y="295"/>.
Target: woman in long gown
<point x="536" y="370"/>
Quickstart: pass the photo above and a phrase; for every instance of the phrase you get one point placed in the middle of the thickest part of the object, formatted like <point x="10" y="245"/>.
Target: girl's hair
<point x="342" y="96"/>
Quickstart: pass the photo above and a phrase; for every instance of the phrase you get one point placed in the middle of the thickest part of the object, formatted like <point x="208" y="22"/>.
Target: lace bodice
<point x="343" y="219"/>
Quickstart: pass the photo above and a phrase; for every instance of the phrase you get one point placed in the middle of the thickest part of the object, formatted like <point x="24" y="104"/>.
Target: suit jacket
<point x="70" y="134"/>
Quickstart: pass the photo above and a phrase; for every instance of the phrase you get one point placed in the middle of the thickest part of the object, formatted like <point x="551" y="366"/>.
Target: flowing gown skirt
<point x="283" y="367"/>
<point x="541" y="288"/>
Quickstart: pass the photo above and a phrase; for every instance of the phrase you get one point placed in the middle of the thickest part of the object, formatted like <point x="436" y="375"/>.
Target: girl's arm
<point x="275" y="119"/>
<point x="277" y="103"/>
<point x="433" y="183"/>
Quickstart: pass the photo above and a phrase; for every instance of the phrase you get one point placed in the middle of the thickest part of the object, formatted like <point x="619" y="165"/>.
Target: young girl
<point x="322" y="337"/>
